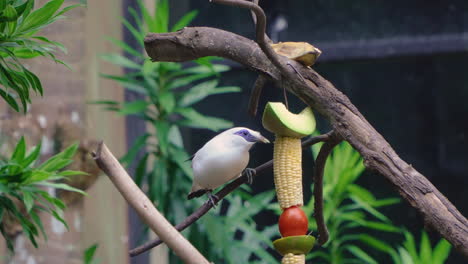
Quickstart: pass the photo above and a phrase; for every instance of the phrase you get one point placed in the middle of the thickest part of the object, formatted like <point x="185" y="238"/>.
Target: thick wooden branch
<point x="191" y="43"/>
<point x="145" y="208"/>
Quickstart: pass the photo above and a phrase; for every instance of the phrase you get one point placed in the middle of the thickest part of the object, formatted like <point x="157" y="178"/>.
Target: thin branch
<point x="145" y="208"/>
<point x="255" y="95"/>
<point x="325" y="150"/>
<point x="221" y="194"/>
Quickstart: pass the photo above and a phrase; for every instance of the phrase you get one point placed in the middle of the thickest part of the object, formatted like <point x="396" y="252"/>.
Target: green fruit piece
<point x="278" y="120"/>
<point x="294" y="244"/>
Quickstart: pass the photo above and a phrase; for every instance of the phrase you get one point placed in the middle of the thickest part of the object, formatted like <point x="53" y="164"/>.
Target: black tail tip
<point x="196" y="194"/>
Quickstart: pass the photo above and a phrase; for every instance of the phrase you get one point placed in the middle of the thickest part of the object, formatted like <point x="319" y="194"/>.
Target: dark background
<point x="402" y="63"/>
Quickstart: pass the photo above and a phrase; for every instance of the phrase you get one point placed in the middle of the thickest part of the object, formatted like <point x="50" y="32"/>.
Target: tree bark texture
<point x="195" y="42"/>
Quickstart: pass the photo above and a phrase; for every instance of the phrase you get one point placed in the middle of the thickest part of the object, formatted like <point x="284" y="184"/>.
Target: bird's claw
<point x="249" y="173"/>
<point x="213" y="199"/>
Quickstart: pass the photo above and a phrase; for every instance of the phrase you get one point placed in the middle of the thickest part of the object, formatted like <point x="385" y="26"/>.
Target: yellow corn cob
<point x="293" y="259"/>
<point x="288" y="171"/>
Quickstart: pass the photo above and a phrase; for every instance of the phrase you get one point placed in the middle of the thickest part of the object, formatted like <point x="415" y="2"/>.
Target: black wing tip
<point x="196" y="194"/>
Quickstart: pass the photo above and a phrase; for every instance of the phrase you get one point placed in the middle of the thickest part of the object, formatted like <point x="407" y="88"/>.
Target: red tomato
<point x="293" y="222"/>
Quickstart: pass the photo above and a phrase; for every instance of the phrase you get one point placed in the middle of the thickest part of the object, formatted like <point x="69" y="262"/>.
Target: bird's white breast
<point x="219" y="161"/>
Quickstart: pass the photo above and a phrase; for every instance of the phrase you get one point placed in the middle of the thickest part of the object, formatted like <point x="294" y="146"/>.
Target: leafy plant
<point x="409" y="254"/>
<point x="19" y="25"/>
<point x="22" y="194"/>
<point x="350" y="210"/>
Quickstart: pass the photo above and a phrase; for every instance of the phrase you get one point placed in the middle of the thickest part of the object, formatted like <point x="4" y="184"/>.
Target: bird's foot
<point x="250" y="173"/>
<point x="213" y="199"/>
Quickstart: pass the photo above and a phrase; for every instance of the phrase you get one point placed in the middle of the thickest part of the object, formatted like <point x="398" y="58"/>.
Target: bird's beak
<point x="263" y="139"/>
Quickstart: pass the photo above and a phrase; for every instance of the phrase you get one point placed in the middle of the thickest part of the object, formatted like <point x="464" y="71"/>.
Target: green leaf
<point x="125" y="47"/>
<point x="36" y="176"/>
<point x="441" y="252"/>
<point x="204" y="89"/>
<point x="134" y="107"/>
<point x="19" y="152"/>
<point x="175" y="137"/>
<point x="425" y="255"/>
<point x="9" y="99"/>
<point x="161" y="17"/>
<point x="41" y="16"/>
<point x="381" y="226"/>
<point x="120" y="61"/>
<point x="28" y="200"/>
<point x="37" y="220"/>
<point x="67" y="173"/>
<point x="410" y="245"/>
<point x="197" y="120"/>
<point x="61" y="186"/>
<point x="162" y="131"/>
<point x="137" y="145"/>
<point x="89" y="254"/>
<point x="70" y="151"/>
<point x="405" y="256"/>
<point x="167" y="101"/>
<point x="185" y="20"/>
<point x="140" y="171"/>
<point x="32" y="157"/>
<point x="56" y="215"/>
<point x="364" y="205"/>
<point x="360" y="254"/>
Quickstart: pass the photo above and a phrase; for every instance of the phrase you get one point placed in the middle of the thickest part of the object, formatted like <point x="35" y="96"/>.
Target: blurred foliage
<point x="19" y="25"/>
<point x="22" y="194"/>
<point x="169" y="91"/>
<point x="407" y="253"/>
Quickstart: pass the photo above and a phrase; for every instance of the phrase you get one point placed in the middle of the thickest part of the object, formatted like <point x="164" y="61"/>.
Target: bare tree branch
<point x="221" y="194"/>
<point x="320" y="162"/>
<point x="321" y="95"/>
<point x="145" y="208"/>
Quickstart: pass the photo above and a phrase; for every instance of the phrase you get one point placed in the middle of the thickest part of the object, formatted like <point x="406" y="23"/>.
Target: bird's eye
<point x="245" y="133"/>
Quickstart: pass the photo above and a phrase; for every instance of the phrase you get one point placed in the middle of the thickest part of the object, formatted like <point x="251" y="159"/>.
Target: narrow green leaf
<point x="19" y="152"/>
<point x="89" y="254"/>
<point x="185" y="20"/>
<point x="134" y="107"/>
<point x="441" y="252"/>
<point x="167" y="101"/>
<point x="405" y="257"/>
<point x="137" y="145"/>
<point x="410" y="245"/>
<point x="120" y="61"/>
<point x="37" y="220"/>
<point x="197" y="120"/>
<point x="125" y="47"/>
<point x="28" y="200"/>
<point x="140" y="171"/>
<point x="62" y="186"/>
<point x="32" y="157"/>
<point x="425" y="254"/>
<point x="60" y="219"/>
<point x="360" y="254"/>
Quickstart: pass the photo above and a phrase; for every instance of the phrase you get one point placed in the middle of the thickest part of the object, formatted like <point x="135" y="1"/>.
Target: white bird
<point x="222" y="159"/>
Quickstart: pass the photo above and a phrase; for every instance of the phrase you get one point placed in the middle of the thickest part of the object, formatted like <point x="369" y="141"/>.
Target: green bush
<point x="19" y="39"/>
<point x="21" y="180"/>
